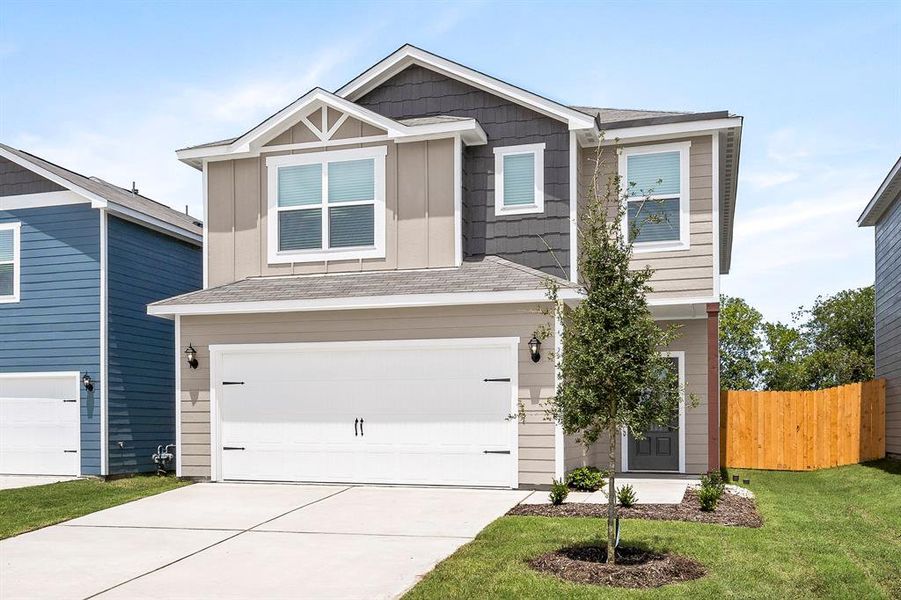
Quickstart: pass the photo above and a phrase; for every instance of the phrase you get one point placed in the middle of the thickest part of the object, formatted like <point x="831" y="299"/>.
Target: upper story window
<point x="657" y="188"/>
<point x="10" y="262"/>
<point x="327" y="205"/>
<point x="519" y="179"/>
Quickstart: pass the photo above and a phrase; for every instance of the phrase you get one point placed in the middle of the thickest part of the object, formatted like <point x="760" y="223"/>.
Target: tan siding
<point x="693" y="342"/>
<point x="419" y="214"/>
<point x="682" y="273"/>
<point x="536" y="381"/>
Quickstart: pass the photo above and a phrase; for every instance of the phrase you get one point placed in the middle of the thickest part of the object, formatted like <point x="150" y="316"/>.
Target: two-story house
<point x="374" y="262"/>
<point x="86" y="376"/>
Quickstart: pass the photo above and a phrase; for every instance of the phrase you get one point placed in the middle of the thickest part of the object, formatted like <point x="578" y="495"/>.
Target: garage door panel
<point x="39" y="425"/>
<point x="427" y="414"/>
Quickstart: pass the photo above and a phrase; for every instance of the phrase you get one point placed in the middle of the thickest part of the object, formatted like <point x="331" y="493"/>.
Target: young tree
<point x="740" y="344"/>
<point x="611" y="373"/>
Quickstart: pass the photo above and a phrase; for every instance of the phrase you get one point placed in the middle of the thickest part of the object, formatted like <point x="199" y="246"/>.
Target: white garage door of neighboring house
<point x="39" y="423"/>
<point x="436" y="412"/>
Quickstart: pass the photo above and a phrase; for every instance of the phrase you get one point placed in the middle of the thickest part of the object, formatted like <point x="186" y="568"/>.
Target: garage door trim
<point x="217" y="351"/>
<point x="76" y="392"/>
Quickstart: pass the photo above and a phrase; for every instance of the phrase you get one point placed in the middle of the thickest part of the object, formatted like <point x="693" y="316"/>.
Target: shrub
<point x="714" y="480"/>
<point x="709" y="497"/>
<point x="586" y="479"/>
<point x="559" y="492"/>
<point x="626" y="496"/>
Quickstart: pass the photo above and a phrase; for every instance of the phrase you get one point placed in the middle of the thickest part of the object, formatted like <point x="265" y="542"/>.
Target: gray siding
<point x="56" y="324"/>
<point x="143" y="266"/>
<point x="888" y="320"/>
<point x="418" y="92"/>
<point x="16" y="180"/>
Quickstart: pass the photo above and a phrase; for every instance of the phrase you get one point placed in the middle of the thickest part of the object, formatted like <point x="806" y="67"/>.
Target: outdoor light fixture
<point x="191" y="355"/>
<point x="87" y="382"/>
<point x="534" y="347"/>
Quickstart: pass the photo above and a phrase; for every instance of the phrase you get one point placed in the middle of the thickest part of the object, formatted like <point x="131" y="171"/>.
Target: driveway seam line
<point x="399" y="535"/>
<point x="205" y="548"/>
<point x="158" y="527"/>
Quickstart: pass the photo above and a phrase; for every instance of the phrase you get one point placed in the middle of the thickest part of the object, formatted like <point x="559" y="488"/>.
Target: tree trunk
<point x="611" y="500"/>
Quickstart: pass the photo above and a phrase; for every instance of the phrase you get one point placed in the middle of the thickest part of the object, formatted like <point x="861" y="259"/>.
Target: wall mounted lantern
<point x="87" y="382"/>
<point x="534" y="349"/>
<point x="191" y="356"/>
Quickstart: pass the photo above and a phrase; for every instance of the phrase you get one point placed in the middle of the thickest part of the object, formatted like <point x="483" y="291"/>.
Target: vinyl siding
<point x="419" y="213"/>
<point x="888" y="320"/>
<point x="693" y="341"/>
<point x="536" y="380"/>
<point x="16" y="180"/>
<point x="143" y="266"/>
<point x="56" y="325"/>
<point x="677" y="273"/>
<point x="418" y="92"/>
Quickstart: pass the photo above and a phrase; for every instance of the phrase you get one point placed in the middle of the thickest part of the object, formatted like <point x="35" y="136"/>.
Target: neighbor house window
<point x="327" y="205"/>
<point x="655" y="182"/>
<point x="519" y="179"/>
<point x="10" y="262"/>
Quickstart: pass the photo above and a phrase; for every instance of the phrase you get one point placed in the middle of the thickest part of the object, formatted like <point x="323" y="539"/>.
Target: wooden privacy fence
<point x="800" y="431"/>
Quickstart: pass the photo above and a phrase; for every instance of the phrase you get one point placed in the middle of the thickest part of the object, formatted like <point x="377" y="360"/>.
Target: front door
<point x="658" y="451"/>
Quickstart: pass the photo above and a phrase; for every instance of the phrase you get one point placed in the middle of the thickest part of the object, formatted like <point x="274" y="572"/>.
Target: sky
<point x="112" y="89"/>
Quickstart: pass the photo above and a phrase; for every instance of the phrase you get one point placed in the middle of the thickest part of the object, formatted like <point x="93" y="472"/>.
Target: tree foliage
<point x="612" y="374"/>
<point x="832" y="343"/>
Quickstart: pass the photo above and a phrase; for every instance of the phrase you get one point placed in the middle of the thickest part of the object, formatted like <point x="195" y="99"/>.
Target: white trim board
<point x="409" y="55"/>
<point x="41" y="200"/>
<point x="104" y="343"/>
<point x="217" y="351"/>
<point x="361" y="302"/>
<point x="624" y="434"/>
<point x="178" y="359"/>
<point x="614" y="137"/>
<point x="16" y="228"/>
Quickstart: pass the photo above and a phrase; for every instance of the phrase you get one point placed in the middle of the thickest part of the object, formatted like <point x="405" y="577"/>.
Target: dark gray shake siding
<point x="418" y="92"/>
<point x="16" y="180"/>
<point x="888" y="320"/>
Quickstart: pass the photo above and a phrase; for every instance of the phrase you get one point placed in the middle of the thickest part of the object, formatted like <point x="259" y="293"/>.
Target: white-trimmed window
<point x="519" y="179"/>
<point x="327" y="205"/>
<point x="656" y="182"/>
<point x="10" y="261"/>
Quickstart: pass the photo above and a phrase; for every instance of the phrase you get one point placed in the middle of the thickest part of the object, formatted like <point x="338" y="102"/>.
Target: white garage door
<point x="434" y="412"/>
<point x="39" y="423"/>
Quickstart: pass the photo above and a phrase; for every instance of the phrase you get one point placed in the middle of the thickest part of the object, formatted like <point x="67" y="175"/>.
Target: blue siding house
<point x="87" y="380"/>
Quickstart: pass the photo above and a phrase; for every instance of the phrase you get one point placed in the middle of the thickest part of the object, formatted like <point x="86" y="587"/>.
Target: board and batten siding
<point x="419" y="92"/>
<point x="536" y="380"/>
<point x="693" y="341"/>
<point x="56" y="324"/>
<point x="419" y="205"/>
<point x="888" y="320"/>
<point x="143" y="266"/>
<point x="677" y="273"/>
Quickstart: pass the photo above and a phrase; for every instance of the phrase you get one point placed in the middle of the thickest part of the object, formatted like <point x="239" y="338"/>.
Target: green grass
<point x="828" y="534"/>
<point x="25" y="509"/>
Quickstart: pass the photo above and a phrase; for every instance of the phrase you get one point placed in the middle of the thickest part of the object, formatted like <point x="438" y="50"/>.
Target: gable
<point x="16" y="180"/>
<point x="322" y="124"/>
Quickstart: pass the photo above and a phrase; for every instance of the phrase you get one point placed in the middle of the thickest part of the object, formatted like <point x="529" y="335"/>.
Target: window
<point x="9" y="262"/>
<point x="519" y="179"/>
<point x="655" y="179"/>
<point x="327" y="205"/>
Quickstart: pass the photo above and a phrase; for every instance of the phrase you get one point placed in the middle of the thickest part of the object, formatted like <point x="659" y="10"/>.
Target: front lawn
<point x="34" y="507"/>
<point x="827" y="534"/>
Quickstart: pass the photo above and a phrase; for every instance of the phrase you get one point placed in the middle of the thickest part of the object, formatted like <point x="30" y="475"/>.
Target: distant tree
<point x="741" y="345"/>
<point x="612" y="374"/>
<point x="782" y="365"/>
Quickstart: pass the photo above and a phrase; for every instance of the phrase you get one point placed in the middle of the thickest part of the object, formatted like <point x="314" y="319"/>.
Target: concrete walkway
<point x="648" y="491"/>
<point x="10" y="482"/>
<point x="227" y="541"/>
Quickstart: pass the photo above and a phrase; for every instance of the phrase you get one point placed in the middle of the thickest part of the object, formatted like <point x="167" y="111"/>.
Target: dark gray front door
<point x="658" y="451"/>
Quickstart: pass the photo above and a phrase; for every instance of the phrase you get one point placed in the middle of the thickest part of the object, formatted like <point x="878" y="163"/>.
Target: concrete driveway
<point x="251" y="541"/>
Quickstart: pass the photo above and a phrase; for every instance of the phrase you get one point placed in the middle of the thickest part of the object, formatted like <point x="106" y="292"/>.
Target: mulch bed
<point x="635" y="567"/>
<point x="732" y="510"/>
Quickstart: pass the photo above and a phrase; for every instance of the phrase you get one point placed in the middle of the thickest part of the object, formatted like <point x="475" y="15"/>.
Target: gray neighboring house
<point x="883" y="213"/>
<point x="374" y="262"/>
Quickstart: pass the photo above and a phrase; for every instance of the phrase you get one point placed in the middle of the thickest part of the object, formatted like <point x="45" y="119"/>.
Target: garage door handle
<point x="232" y="447"/>
<point x="361" y="427"/>
<point x="71" y="451"/>
<point x="498" y="379"/>
<point x="495" y="451"/>
<point x="70" y="400"/>
<point x="356" y="421"/>
<point x="232" y="383"/>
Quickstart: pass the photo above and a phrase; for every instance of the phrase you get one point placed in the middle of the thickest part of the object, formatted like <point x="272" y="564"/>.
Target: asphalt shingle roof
<point x="114" y="193"/>
<point x="486" y="274"/>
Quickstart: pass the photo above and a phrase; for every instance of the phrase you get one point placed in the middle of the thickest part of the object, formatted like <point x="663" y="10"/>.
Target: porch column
<point x="713" y="386"/>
